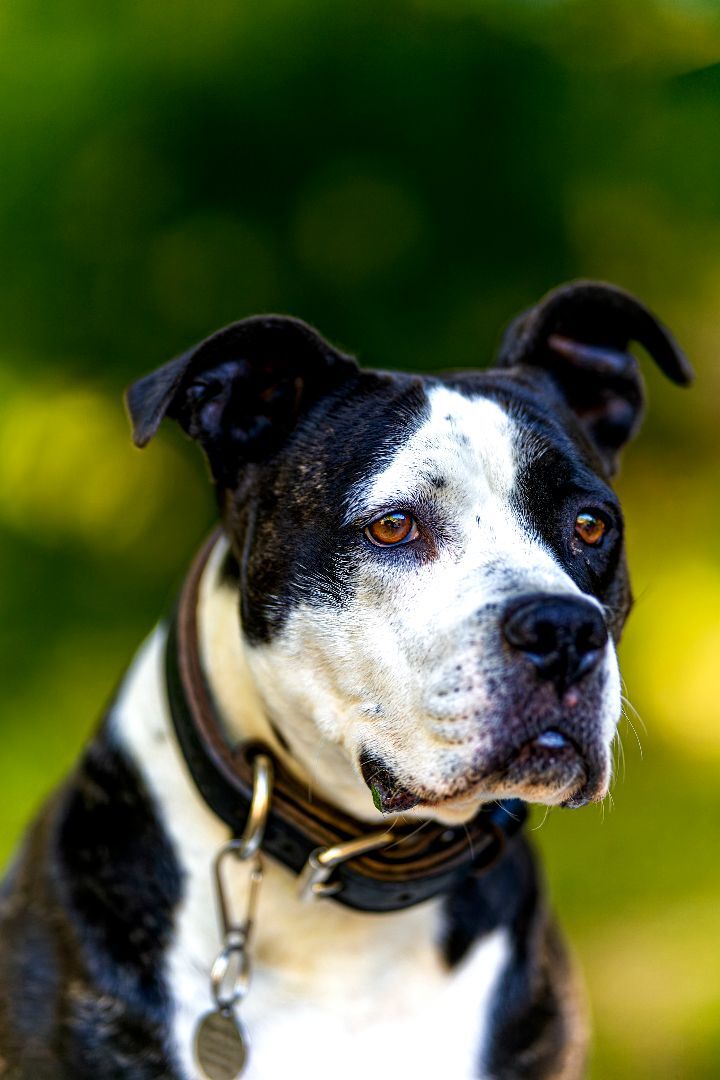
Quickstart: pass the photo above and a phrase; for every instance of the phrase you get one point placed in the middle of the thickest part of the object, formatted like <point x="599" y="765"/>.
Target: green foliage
<point x="407" y="175"/>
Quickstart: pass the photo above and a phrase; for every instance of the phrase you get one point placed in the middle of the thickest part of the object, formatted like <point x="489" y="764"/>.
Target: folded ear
<point x="239" y="392"/>
<point x="580" y="334"/>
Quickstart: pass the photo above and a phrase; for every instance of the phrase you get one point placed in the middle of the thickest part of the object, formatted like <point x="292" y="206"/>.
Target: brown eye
<point x="392" y="529"/>
<point x="589" y="528"/>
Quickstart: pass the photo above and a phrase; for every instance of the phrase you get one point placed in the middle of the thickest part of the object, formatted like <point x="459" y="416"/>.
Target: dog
<point x="411" y="611"/>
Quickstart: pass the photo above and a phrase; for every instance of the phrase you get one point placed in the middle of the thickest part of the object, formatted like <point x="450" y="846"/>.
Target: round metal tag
<point x="221" y="1046"/>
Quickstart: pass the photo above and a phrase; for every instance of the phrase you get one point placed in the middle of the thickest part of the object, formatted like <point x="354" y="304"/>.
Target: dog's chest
<point x="375" y="999"/>
<point x="343" y="990"/>
<point x="332" y="988"/>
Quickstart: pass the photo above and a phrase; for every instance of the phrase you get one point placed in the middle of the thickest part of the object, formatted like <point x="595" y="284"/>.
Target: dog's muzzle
<point x="560" y="642"/>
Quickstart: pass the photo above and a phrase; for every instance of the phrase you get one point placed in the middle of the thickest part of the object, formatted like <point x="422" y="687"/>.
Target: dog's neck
<point x="252" y="711"/>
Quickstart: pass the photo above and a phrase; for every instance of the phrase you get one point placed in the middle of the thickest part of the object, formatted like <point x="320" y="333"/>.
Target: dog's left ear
<point x="240" y="392"/>
<point x="580" y="333"/>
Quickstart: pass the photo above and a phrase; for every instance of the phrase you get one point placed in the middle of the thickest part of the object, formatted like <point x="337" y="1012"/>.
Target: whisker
<point x="634" y="731"/>
<point x="627" y="702"/>
<point x="373" y="777"/>
<point x="469" y="840"/>
<point x="621" y="754"/>
<point x="501" y="806"/>
<point x="403" y="839"/>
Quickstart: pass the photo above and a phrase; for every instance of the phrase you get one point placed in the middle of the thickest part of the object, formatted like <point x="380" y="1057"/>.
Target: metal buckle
<point x="313" y="878"/>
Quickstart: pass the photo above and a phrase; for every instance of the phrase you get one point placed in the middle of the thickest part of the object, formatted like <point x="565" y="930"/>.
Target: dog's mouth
<point x="550" y="768"/>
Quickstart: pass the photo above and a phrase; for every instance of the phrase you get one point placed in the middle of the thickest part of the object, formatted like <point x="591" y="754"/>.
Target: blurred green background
<point x="406" y="175"/>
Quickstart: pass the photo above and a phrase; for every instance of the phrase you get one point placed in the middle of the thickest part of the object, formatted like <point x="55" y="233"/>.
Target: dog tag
<point x="221" y="1046"/>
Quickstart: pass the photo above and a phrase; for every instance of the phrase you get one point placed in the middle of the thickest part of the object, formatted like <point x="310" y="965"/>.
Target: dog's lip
<point x="549" y="746"/>
<point x="397" y="800"/>
<point x="551" y="759"/>
<point x="552" y="739"/>
<point x="389" y="795"/>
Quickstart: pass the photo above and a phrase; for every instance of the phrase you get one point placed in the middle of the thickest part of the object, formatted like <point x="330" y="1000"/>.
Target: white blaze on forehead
<point x="458" y="471"/>
<point x="462" y="438"/>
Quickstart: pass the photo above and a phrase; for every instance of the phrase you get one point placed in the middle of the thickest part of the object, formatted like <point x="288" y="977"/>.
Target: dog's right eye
<point x="392" y="529"/>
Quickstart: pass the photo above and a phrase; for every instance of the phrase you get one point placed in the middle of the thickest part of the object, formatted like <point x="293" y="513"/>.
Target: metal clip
<point x="230" y="974"/>
<point x="235" y="934"/>
<point x="313" y="878"/>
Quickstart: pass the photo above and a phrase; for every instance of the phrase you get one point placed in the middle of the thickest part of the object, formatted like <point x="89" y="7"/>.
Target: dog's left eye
<point x="590" y="528"/>
<point x="392" y="529"/>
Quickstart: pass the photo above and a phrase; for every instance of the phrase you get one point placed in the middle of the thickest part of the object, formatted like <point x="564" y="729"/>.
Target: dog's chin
<point x="548" y="771"/>
<point x="570" y="793"/>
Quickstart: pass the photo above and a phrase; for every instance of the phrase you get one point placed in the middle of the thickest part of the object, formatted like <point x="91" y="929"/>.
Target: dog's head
<point x="432" y="568"/>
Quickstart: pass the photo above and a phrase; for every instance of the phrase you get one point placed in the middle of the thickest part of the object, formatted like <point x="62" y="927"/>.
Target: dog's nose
<point x="563" y="637"/>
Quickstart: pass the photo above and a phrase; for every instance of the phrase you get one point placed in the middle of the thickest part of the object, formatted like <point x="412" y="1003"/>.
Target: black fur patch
<point x="85" y="921"/>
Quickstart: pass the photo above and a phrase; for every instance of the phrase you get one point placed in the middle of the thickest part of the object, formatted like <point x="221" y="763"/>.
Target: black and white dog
<point x="414" y="606"/>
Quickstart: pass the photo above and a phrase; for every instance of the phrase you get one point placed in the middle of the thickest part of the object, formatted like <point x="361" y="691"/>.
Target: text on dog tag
<point x="221" y="1046"/>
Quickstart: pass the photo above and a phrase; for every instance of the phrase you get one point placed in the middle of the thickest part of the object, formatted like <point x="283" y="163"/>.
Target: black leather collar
<point x="420" y="864"/>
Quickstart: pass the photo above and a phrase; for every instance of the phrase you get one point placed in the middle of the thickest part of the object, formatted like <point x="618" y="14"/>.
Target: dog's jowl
<point x="404" y="629"/>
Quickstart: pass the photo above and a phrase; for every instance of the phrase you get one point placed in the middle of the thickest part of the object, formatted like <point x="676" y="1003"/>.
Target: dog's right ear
<point x="240" y="392"/>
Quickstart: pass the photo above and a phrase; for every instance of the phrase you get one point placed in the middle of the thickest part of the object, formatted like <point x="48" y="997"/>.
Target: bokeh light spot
<point x="352" y="224"/>
<point x="211" y="269"/>
<point x="70" y="471"/>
